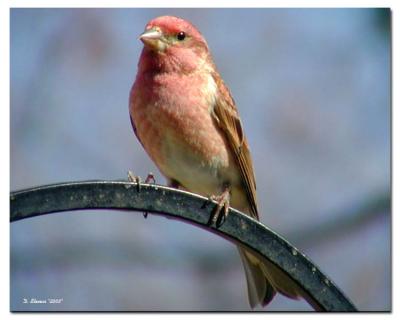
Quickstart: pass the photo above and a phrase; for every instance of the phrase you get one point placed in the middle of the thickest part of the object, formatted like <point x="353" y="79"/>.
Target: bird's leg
<point x="220" y="212"/>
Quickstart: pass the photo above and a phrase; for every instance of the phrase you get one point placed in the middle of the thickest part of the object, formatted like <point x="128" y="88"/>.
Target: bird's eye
<point x="181" y="36"/>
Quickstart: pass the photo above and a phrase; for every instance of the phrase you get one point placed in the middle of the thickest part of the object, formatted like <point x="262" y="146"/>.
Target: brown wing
<point x="227" y="118"/>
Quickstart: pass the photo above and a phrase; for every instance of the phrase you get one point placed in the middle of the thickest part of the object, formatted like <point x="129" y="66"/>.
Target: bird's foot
<point x="136" y="179"/>
<point x="173" y="183"/>
<point x="150" y="178"/>
<point x="220" y="212"/>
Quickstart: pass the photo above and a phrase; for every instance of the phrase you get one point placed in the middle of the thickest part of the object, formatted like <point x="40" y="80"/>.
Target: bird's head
<point x="174" y="43"/>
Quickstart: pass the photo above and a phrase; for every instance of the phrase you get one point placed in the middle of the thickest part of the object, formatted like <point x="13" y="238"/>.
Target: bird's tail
<point x="264" y="279"/>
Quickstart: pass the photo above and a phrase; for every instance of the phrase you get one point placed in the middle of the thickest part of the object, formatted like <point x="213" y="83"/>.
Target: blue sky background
<point x="313" y="90"/>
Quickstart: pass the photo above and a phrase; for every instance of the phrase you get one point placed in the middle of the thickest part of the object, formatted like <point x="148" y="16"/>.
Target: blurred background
<point x="313" y="90"/>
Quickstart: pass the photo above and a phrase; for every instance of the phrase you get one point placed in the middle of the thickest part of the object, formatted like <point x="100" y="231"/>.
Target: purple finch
<point x="185" y="117"/>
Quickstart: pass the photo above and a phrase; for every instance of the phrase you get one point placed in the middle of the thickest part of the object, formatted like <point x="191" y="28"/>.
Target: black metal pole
<point x="321" y="292"/>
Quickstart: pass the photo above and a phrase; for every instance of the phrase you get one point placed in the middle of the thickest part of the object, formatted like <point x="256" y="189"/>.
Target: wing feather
<point x="227" y="117"/>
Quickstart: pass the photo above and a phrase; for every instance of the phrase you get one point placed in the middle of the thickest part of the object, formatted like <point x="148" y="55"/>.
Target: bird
<point x="186" y="119"/>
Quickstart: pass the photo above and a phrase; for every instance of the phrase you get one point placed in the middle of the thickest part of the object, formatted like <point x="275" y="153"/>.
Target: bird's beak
<point x="153" y="38"/>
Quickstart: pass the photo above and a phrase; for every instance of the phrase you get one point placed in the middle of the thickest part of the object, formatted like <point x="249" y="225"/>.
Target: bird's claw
<point x="221" y="210"/>
<point x="136" y="179"/>
<point x="150" y="178"/>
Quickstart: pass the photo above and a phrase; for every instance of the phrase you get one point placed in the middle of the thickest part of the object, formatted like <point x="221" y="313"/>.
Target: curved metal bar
<point x="321" y="292"/>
